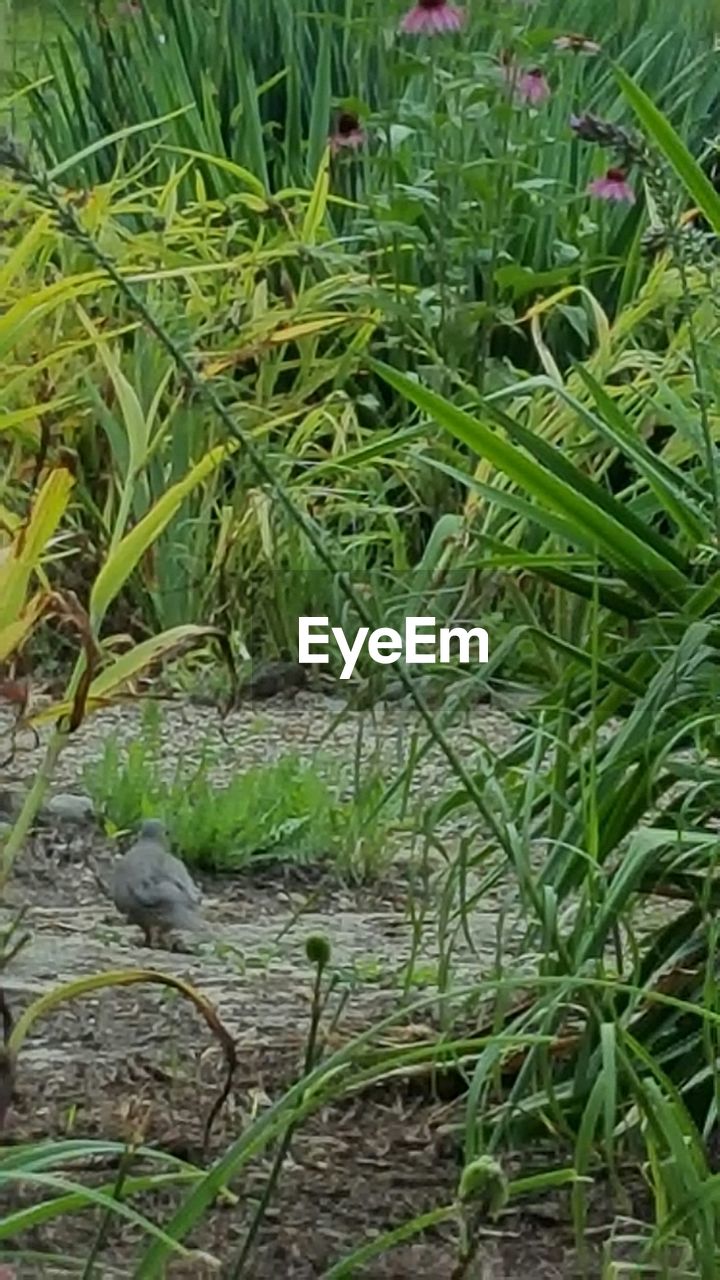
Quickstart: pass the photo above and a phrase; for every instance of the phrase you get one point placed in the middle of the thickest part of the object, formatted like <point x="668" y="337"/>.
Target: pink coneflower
<point x="532" y="87"/>
<point x="612" y="186"/>
<point x="432" y="17"/>
<point x="348" y="133"/>
<point x="576" y="43"/>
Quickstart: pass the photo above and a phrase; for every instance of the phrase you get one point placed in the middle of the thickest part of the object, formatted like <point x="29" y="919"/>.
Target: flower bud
<point x="317" y="950"/>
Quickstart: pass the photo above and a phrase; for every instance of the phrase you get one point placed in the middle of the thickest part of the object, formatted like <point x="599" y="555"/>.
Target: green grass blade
<point x="118" y="136"/>
<point x="593" y="526"/>
<point x="320" y="109"/>
<point x="696" y="183"/>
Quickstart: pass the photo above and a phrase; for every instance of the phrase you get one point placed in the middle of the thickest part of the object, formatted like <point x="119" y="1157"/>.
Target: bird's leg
<point x="175" y="944"/>
<point x="178" y="946"/>
<point x="147" y="931"/>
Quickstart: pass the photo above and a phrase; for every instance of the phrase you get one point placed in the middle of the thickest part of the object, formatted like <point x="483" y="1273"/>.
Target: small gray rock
<point x="11" y="799"/>
<point x="271" y="678"/>
<point x="73" y="809"/>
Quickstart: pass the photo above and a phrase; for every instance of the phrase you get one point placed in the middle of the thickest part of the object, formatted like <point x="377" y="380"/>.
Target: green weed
<point x="286" y="811"/>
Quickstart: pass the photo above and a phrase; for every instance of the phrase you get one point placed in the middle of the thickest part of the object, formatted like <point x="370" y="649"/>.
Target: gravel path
<point x="261" y="926"/>
<point x="92" y="1065"/>
<point x="260" y="732"/>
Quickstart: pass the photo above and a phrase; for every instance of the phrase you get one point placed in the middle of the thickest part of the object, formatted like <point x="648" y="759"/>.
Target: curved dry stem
<point x="125" y="978"/>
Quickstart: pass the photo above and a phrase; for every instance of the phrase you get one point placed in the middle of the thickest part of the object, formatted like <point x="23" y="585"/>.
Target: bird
<point x="154" y="889"/>
<point x="271" y="678"/>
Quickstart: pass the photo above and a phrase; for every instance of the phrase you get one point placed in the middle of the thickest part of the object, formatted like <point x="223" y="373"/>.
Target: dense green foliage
<point x="429" y="372"/>
<point x="282" y="812"/>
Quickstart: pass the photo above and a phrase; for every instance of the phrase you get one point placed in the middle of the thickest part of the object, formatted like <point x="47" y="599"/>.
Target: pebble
<point x="10" y="803"/>
<point x="66" y="807"/>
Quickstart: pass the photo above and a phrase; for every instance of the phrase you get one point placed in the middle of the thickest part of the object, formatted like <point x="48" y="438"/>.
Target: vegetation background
<point x="303" y="312"/>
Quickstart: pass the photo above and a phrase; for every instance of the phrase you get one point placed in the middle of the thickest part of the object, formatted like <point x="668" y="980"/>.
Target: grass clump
<point x="283" y="811"/>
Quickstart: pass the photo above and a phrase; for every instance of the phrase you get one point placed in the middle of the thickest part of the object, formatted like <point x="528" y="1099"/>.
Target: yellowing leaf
<point x="137" y="428"/>
<point x="538" y="309"/>
<point x="126" y="555"/>
<point x="15" y="633"/>
<point x="9" y="421"/>
<point x="315" y="212"/>
<point x="546" y="357"/>
<point x="547" y="304"/>
<point x="228" y="166"/>
<point x="30" y="542"/>
<point x="8" y="521"/>
<point x="23" y="252"/>
<point x="113" y="679"/>
<point x="300" y="330"/>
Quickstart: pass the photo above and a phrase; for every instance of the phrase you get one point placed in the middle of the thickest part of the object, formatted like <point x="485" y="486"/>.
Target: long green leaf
<point x="320" y="111"/>
<point x="118" y="136"/>
<point x="696" y="183"/>
<point x="670" y="487"/>
<point x="593" y="527"/>
<point x="134" y="545"/>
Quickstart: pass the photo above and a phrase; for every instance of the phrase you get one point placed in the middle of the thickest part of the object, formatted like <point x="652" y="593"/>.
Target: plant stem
<point x="124" y="1167"/>
<point x="498" y="224"/>
<point x="701" y="396"/>
<point x="287" y="1137"/>
<point x="31" y="805"/>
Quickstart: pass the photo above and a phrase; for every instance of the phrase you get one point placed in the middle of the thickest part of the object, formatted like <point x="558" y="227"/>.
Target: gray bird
<point x="152" y="888"/>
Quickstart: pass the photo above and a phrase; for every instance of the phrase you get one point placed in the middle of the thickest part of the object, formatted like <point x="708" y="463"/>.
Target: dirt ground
<point x="92" y="1067"/>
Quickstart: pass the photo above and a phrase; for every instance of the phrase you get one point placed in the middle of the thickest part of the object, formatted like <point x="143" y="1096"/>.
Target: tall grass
<point x="465" y="197"/>
<point x="441" y="232"/>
